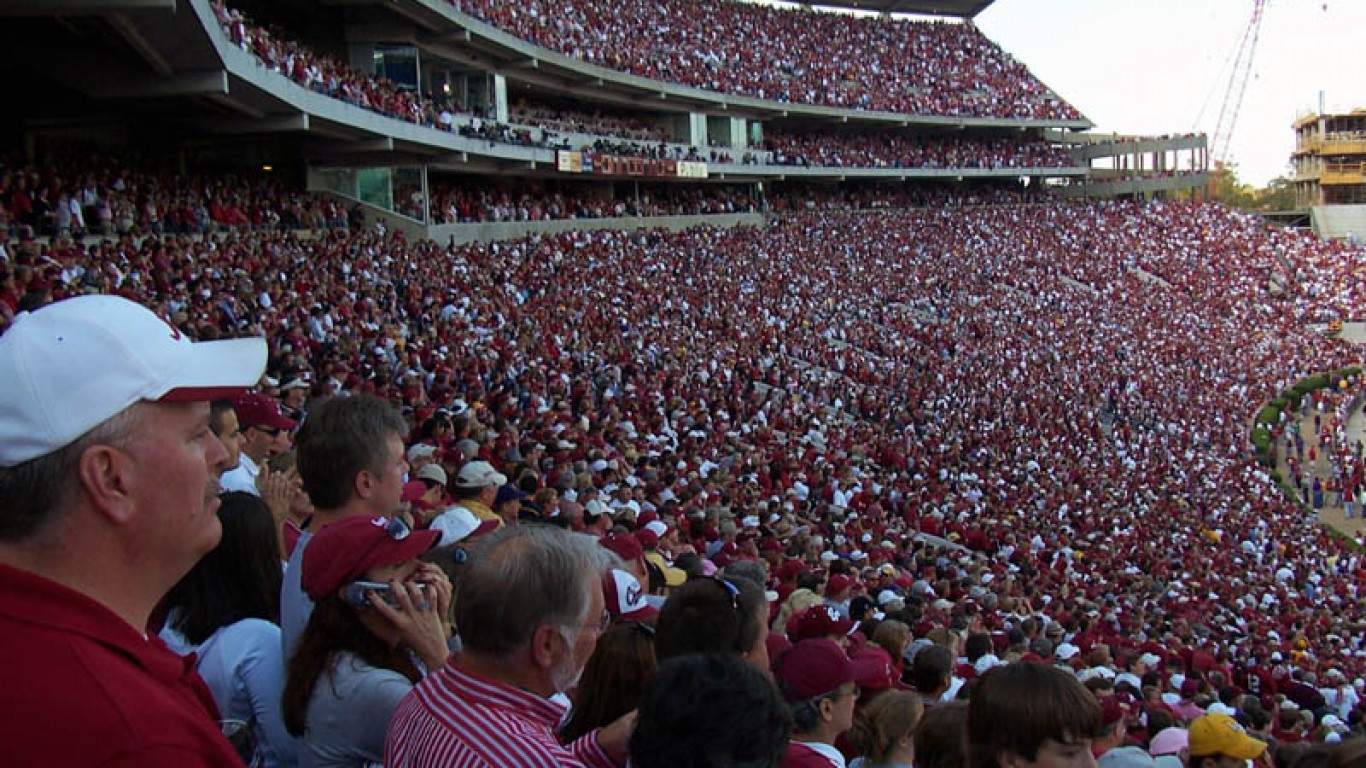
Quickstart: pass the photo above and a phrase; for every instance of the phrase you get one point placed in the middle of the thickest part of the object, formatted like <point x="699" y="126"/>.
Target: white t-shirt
<point x="242" y="477"/>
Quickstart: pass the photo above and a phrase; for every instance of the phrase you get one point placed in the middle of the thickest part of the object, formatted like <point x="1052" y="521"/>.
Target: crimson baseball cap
<point x="813" y="668"/>
<point x="838" y="584"/>
<point x="342" y="552"/>
<point x="624" y="546"/>
<point x="72" y="365"/>
<point x="818" y="621"/>
<point x="254" y="409"/>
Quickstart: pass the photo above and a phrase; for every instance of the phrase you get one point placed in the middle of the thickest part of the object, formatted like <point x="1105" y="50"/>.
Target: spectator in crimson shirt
<point x="1305" y="695"/>
<point x="817" y="680"/>
<point x="84" y="563"/>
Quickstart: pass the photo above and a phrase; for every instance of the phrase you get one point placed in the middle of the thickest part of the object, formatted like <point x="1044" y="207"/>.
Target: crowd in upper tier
<point x="798" y="56"/>
<point x="471" y="200"/>
<point x="889" y="150"/>
<point x="547" y="127"/>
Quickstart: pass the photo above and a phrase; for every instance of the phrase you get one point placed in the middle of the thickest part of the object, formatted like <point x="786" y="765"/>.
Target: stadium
<point x="852" y="299"/>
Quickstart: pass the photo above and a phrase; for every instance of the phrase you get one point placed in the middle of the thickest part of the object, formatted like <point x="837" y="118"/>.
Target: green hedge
<point x="1269" y="417"/>
<point x="1347" y="541"/>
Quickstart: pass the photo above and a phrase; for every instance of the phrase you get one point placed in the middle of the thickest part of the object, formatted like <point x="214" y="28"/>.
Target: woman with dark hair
<point x="379" y="624"/>
<point x="227" y="611"/>
<point x="621" y="668"/>
<point x="714" y="615"/>
<point x="710" y="711"/>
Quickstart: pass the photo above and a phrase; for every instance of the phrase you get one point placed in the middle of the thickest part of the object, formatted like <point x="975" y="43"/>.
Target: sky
<point x="1162" y="66"/>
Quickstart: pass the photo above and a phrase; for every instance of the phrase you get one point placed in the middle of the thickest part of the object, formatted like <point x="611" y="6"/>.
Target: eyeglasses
<point x="604" y="621"/>
<point x="273" y="432"/>
<point x="397" y="529"/>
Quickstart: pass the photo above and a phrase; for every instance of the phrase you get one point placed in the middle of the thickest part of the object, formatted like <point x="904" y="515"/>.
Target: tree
<point x="1277" y="195"/>
<point x="1229" y="189"/>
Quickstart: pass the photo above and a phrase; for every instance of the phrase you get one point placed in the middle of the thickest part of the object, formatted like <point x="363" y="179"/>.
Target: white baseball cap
<point x="625" y="598"/>
<point x="75" y="364"/>
<point x="432" y="472"/>
<point x="421" y="451"/>
<point x="457" y="524"/>
<point x="479" y="474"/>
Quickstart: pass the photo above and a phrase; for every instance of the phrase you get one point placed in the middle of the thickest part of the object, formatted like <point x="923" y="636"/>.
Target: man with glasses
<point x="817" y="680"/>
<point x="264" y="433"/>
<point x="529" y="612"/>
<point x="1218" y="741"/>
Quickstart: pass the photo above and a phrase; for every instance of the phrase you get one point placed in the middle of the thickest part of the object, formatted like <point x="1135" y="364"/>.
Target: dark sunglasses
<point x="729" y="587"/>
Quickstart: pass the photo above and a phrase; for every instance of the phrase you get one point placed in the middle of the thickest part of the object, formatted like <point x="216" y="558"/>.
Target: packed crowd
<point x="795" y="196"/>
<point x="993" y="434"/>
<point x="888" y="150"/>
<point x="329" y="75"/>
<point x="96" y="194"/>
<point x="543" y="127"/>
<point x="595" y="123"/>
<point x="867" y="366"/>
<point x="797" y="56"/>
<point x="474" y="200"/>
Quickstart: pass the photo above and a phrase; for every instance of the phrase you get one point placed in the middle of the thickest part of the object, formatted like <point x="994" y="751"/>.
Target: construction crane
<point x="1237" y="84"/>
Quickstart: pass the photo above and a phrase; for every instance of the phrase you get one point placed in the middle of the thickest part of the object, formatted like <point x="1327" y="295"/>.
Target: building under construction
<point x="1330" y="159"/>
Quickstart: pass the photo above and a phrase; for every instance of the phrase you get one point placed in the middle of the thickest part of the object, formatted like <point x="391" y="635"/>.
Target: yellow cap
<point x="1221" y="735"/>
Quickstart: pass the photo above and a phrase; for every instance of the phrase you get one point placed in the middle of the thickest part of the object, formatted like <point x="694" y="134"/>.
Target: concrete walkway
<point x="1332" y="515"/>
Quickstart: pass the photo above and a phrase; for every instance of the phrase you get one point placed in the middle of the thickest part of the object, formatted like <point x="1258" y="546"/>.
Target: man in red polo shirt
<point x="108" y="495"/>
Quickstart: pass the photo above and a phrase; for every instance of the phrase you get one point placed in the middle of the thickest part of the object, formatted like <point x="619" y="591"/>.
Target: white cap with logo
<point x="72" y="365"/>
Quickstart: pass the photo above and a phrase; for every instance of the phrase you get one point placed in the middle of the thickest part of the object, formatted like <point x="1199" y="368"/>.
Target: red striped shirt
<point x="454" y="719"/>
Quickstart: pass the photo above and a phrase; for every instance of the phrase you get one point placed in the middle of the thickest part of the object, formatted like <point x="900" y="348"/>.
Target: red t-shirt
<point x="83" y="688"/>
